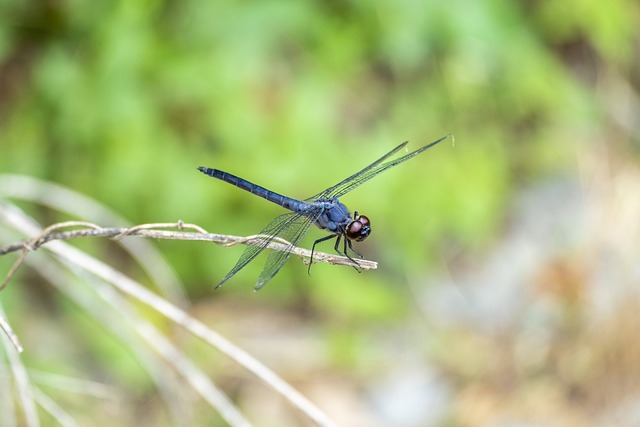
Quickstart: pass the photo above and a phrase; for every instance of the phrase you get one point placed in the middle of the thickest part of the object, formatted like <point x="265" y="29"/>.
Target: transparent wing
<point x="355" y="175"/>
<point x="374" y="169"/>
<point x="293" y="234"/>
<point x="277" y="226"/>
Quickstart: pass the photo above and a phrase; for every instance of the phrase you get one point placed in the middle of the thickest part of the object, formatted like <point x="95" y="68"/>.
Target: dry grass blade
<point x="120" y="318"/>
<point x="23" y="385"/>
<point x="19" y="221"/>
<point x="10" y="334"/>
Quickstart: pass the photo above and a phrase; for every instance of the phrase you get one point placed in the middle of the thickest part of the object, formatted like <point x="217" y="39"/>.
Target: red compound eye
<point x="359" y="228"/>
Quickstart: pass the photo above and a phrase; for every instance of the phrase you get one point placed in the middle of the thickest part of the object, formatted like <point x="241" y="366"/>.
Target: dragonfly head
<point x="359" y="228"/>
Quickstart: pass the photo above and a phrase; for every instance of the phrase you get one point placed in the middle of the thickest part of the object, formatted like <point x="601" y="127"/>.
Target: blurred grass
<point x="123" y="100"/>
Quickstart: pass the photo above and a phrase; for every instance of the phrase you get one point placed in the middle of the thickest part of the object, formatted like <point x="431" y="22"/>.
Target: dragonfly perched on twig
<point x="323" y="210"/>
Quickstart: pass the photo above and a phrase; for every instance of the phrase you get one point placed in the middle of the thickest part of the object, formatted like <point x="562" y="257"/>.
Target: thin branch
<point x="151" y="230"/>
<point x="14" y="267"/>
<point x="78" y="205"/>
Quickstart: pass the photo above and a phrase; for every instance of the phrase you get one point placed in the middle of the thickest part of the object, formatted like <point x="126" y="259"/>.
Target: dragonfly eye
<point x="359" y="228"/>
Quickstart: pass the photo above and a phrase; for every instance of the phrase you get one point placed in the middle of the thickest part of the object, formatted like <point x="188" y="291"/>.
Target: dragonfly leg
<point x="325" y="238"/>
<point x="356" y="266"/>
<point x="353" y="250"/>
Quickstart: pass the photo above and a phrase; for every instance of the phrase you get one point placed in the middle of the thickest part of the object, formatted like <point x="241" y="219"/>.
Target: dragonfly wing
<point x="277" y="226"/>
<point x="329" y="190"/>
<point x="375" y="169"/>
<point x="293" y="234"/>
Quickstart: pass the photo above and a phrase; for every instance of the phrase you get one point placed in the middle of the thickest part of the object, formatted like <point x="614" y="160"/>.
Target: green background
<point x="121" y="101"/>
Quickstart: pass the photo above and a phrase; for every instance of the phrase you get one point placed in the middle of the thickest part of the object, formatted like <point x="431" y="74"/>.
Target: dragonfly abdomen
<point x="272" y="196"/>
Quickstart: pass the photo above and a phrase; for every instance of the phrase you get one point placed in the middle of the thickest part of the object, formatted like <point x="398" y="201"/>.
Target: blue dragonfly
<point x="323" y="210"/>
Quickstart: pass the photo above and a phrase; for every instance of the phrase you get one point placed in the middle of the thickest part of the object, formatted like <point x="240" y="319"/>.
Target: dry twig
<point x="150" y="230"/>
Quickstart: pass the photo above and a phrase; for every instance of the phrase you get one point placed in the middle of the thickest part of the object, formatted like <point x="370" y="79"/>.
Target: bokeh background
<point x="507" y="291"/>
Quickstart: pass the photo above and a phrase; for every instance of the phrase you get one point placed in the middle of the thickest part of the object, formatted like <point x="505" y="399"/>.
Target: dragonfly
<point x="323" y="210"/>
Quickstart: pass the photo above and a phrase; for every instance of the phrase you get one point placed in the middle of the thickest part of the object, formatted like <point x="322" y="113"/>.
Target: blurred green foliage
<point x="122" y="100"/>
